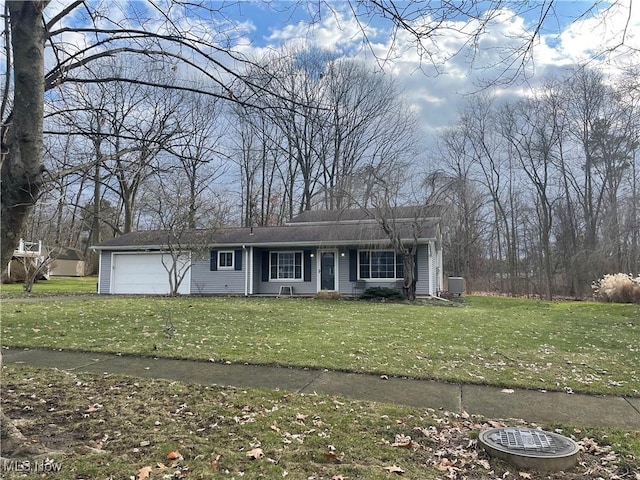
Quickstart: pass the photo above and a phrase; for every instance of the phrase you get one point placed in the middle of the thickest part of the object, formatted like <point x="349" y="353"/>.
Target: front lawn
<point x="53" y="286"/>
<point x="579" y="346"/>
<point x="113" y="427"/>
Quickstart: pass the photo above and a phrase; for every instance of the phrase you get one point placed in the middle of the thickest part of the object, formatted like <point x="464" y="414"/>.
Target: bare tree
<point x="352" y="121"/>
<point x="533" y="129"/>
<point x="557" y="169"/>
<point x="256" y="154"/>
<point x="191" y="47"/>
<point x="463" y="204"/>
<point x="198" y="151"/>
<point x="181" y="245"/>
<point x="605" y="134"/>
<point x="366" y="122"/>
<point x="22" y="130"/>
<point x="175" y="45"/>
<point x="493" y="168"/>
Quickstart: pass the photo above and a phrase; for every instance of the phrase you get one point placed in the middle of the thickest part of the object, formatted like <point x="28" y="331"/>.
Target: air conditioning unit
<point x="456" y="286"/>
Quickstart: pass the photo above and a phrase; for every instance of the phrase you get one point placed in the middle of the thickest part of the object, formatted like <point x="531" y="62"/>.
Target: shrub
<point x="381" y="293"/>
<point x="618" y="288"/>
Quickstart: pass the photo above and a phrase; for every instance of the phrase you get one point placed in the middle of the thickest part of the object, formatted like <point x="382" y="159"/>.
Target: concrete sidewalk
<point x="530" y="405"/>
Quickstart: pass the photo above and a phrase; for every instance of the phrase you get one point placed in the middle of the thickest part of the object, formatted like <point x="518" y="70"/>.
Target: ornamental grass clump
<point x="618" y="288"/>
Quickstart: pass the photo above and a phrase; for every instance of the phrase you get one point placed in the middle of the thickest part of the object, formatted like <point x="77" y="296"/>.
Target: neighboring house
<point x="342" y="251"/>
<point x="68" y="262"/>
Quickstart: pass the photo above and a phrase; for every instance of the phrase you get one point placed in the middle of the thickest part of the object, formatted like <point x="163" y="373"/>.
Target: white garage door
<point x="146" y="273"/>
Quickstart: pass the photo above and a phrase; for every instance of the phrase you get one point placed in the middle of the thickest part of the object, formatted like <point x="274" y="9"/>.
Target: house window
<point x="380" y="264"/>
<point x="286" y="265"/>
<point x="225" y="259"/>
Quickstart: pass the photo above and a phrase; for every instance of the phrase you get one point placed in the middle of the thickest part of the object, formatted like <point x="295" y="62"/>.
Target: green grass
<point x="583" y="346"/>
<point x="114" y="426"/>
<point x="53" y="286"/>
<point x="519" y="343"/>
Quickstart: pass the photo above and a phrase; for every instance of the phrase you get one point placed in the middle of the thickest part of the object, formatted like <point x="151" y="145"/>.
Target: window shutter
<point x="238" y="260"/>
<point x="307" y="265"/>
<point x="415" y="266"/>
<point x="353" y="265"/>
<point x="213" y="264"/>
<point x="265" y="266"/>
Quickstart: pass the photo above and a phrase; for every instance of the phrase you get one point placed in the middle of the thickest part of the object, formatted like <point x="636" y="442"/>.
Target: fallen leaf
<point x="215" y="463"/>
<point x="333" y="456"/>
<point x="174" y="455"/>
<point x="384" y="377"/>
<point x="402" y="441"/>
<point x="507" y="390"/>
<point x="255" y="453"/>
<point x="275" y="427"/>
<point x="338" y="477"/>
<point x="447" y="466"/>
<point x="93" y="408"/>
<point x="144" y="473"/>
<point x="525" y="475"/>
<point x="300" y="417"/>
<point x="394" y="469"/>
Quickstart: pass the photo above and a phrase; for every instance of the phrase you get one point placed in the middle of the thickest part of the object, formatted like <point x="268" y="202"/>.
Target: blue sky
<point x="255" y="28"/>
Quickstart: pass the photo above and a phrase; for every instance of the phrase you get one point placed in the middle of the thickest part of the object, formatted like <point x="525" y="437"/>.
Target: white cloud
<point x="608" y="40"/>
<point x="462" y="66"/>
<point x="337" y="32"/>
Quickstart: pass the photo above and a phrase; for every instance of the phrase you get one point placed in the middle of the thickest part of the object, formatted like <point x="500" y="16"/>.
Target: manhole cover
<point x="530" y="449"/>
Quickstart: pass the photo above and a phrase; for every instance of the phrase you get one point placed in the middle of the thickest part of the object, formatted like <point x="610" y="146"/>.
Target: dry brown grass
<point x="618" y="288"/>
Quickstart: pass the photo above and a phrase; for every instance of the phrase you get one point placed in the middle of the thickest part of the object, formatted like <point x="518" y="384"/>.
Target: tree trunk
<point x="409" y="287"/>
<point x="22" y="165"/>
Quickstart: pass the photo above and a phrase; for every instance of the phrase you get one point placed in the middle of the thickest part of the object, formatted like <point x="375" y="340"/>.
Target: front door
<point x="327" y="270"/>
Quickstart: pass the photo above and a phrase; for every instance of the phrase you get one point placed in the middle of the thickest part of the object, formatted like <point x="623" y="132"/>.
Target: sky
<point x="573" y="32"/>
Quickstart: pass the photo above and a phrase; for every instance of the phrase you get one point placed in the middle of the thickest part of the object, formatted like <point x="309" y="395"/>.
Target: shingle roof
<point x="67" y="253"/>
<point x="411" y="212"/>
<point x="325" y="230"/>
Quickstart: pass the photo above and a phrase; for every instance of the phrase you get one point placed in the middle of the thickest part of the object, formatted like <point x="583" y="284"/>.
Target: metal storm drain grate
<point x="531" y="449"/>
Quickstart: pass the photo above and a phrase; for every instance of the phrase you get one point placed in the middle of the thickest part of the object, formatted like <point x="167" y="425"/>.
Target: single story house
<point x="342" y="250"/>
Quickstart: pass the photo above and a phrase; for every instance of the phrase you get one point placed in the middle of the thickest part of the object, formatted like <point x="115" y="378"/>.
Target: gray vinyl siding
<point x="257" y="270"/>
<point x="218" y="282"/>
<point x="424" y="270"/>
<point x="272" y="287"/>
<point x="422" y="285"/>
<point x="104" y="273"/>
<point x="345" y="286"/>
<point x="232" y="282"/>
